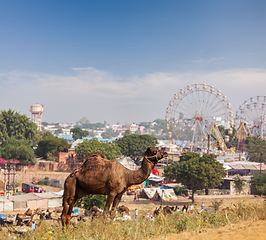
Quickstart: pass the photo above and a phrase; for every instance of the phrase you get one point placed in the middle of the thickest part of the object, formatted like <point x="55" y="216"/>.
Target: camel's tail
<point x="69" y="189"/>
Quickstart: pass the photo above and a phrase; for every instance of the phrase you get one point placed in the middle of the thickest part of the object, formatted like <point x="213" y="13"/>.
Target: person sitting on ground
<point x="33" y="225"/>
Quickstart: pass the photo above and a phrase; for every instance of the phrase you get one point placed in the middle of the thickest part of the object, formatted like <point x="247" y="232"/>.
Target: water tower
<point x="36" y="115"/>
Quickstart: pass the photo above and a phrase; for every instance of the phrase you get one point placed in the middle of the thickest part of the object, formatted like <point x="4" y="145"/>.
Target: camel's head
<point x="155" y="155"/>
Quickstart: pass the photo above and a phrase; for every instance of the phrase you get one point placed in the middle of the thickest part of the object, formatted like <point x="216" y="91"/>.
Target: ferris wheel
<point x="193" y="111"/>
<point x="253" y="113"/>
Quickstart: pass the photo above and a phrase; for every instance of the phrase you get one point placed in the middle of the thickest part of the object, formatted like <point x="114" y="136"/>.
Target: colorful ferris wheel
<point x="253" y="113"/>
<point x="193" y="111"/>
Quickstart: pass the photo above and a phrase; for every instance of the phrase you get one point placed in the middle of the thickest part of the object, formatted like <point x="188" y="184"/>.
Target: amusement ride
<point x="193" y="116"/>
<point x="250" y="121"/>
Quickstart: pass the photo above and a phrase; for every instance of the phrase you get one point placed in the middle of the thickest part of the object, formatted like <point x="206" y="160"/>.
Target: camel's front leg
<point x="109" y="202"/>
<point x="67" y="210"/>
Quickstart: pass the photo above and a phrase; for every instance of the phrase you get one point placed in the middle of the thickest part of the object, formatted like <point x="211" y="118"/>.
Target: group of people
<point x="136" y="196"/>
<point x="191" y="208"/>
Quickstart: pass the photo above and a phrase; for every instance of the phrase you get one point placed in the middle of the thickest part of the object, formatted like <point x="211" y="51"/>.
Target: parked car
<point x="27" y="187"/>
<point x="38" y="189"/>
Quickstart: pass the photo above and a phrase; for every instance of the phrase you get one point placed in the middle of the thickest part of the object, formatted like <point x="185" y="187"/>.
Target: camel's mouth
<point x="163" y="154"/>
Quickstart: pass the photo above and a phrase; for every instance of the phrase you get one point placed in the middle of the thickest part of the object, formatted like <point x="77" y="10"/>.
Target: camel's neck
<point x="140" y="175"/>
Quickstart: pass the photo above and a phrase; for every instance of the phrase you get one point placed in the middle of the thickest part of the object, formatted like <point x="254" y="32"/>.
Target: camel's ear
<point x="148" y="149"/>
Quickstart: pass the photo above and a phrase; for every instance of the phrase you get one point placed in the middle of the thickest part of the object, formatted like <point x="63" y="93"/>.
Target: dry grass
<point x="101" y="228"/>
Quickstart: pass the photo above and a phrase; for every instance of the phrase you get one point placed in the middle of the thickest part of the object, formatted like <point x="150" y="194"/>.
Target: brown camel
<point x="167" y="209"/>
<point x="95" y="211"/>
<point x="157" y="211"/>
<point x="122" y="209"/>
<point x="58" y="210"/>
<point x="98" y="175"/>
<point x="29" y="213"/>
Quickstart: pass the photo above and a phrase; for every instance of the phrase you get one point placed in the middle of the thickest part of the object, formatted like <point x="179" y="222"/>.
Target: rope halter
<point x="147" y="158"/>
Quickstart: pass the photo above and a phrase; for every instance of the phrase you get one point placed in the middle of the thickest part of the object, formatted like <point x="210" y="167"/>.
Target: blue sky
<point x="122" y="61"/>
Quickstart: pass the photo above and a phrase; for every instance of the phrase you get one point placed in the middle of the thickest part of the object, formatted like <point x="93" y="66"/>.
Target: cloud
<point x="101" y="95"/>
<point x="207" y="61"/>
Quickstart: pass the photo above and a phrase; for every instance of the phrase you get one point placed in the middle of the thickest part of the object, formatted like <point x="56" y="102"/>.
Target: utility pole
<point x="209" y="138"/>
<point x="10" y="170"/>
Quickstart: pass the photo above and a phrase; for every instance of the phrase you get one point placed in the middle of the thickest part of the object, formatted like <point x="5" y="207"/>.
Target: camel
<point x="157" y="211"/>
<point x="97" y="175"/>
<point x="58" y="210"/>
<point x="167" y="209"/>
<point x="95" y="211"/>
<point x="123" y="209"/>
<point x="29" y="213"/>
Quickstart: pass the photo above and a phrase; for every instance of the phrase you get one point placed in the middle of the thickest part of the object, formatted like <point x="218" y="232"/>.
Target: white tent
<point x="155" y="178"/>
<point x="60" y="193"/>
<point x="5" y="204"/>
<point x="128" y="163"/>
<point x="74" y="144"/>
<point x="166" y="194"/>
<point x="29" y="200"/>
<point x="54" y="200"/>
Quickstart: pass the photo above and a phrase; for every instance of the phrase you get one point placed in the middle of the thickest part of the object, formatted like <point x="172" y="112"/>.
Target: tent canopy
<point x="128" y="163"/>
<point x="155" y="178"/>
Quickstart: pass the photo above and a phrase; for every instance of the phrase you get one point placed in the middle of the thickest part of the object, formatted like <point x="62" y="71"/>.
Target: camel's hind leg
<point x="117" y="199"/>
<point x="69" y="199"/>
<point x="109" y="202"/>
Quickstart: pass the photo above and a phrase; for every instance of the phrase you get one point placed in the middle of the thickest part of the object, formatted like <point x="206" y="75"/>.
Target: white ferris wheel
<point x="193" y="111"/>
<point x="253" y="113"/>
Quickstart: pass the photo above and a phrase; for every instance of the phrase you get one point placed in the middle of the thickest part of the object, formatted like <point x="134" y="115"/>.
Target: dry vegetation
<point x="243" y="215"/>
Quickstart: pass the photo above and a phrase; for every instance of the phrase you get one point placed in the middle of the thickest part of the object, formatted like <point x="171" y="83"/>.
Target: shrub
<point x="216" y="204"/>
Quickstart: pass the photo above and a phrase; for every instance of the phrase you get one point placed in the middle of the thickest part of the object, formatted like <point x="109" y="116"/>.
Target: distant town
<point x="155" y="128"/>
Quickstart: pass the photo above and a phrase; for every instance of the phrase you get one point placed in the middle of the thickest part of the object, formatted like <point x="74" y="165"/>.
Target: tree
<point x="89" y="201"/>
<point x="196" y="172"/>
<point x="13" y="124"/>
<point x="109" y="149"/>
<point x="147" y="125"/>
<point x="259" y="181"/>
<point x="78" y="133"/>
<point x="134" y="145"/>
<point x="239" y="183"/>
<point x="85" y="123"/>
<point x="45" y="124"/>
<point x="127" y="132"/>
<point x="109" y="133"/>
<point x="49" y="145"/>
<point x="19" y="149"/>
<point x="256" y="149"/>
<point x="138" y="132"/>
<point x="59" y="130"/>
<point x="159" y="124"/>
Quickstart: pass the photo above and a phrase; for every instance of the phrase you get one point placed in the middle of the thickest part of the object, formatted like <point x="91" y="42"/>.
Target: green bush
<point x="179" y="190"/>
